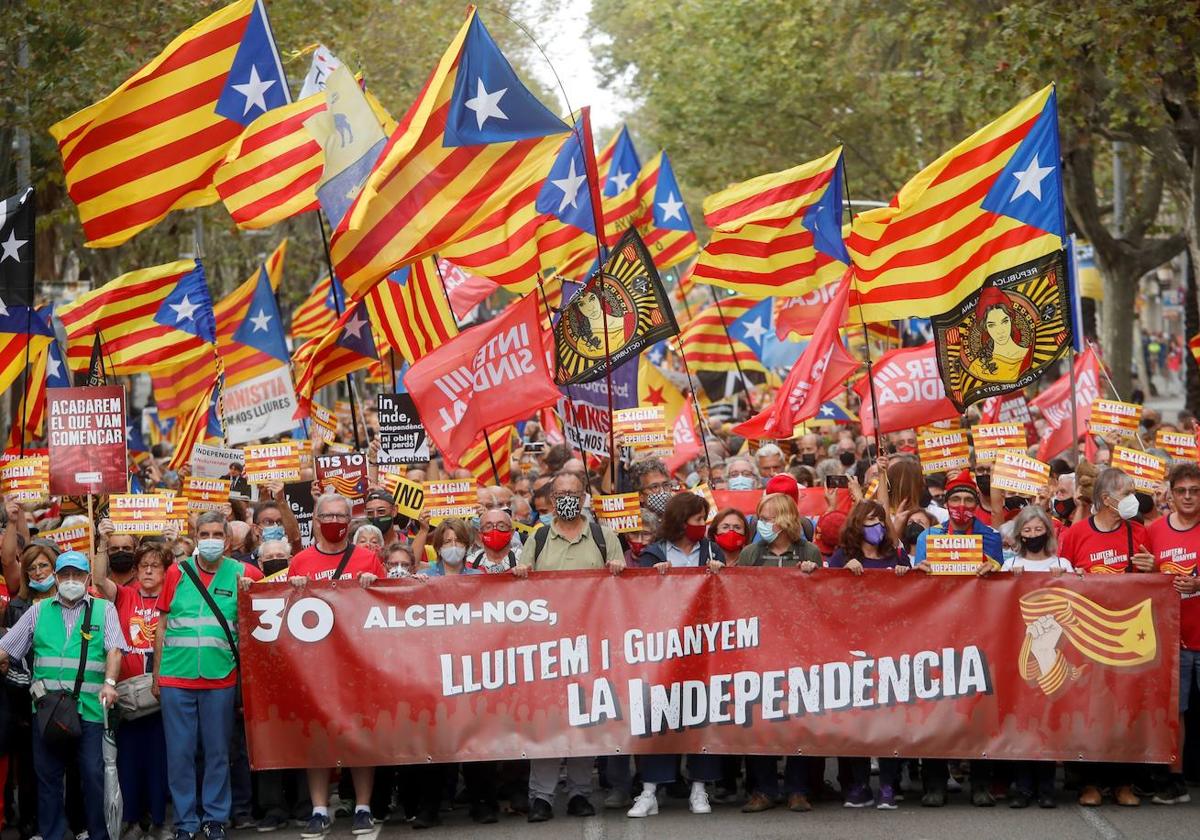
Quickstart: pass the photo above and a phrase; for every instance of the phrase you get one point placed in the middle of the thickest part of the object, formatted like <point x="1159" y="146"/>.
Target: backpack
<point x="541" y="535"/>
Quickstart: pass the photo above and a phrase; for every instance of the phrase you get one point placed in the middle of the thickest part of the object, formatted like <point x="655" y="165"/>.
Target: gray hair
<point x="271" y="544"/>
<point x="1109" y="482"/>
<point x="729" y="462"/>
<point x="768" y="450"/>
<point x="827" y="467"/>
<point x="326" y="498"/>
<point x="210" y="517"/>
<point x="368" y="530"/>
<point x="643" y="467"/>
<point x="1028" y="514"/>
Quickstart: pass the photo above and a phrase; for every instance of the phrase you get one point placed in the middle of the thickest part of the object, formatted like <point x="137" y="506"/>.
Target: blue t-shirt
<point x="993" y="547"/>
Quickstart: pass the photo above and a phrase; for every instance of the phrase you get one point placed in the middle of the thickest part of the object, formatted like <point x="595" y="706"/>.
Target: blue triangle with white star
<point x="213" y="426"/>
<point x="624" y="167"/>
<point x="489" y="104"/>
<point x="134" y="438"/>
<point x="262" y="327"/>
<point x="669" y="210"/>
<point x="1029" y="188"/>
<point x="189" y="307"/>
<point x="754" y="326"/>
<point x="565" y="194"/>
<point x="824" y="219"/>
<point x="256" y="82"/>
<point x="335" y="298"/>
<point x="356" y="334"/>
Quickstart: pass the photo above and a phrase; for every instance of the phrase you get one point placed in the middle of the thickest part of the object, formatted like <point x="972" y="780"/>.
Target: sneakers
<point x="799" y="803"/>
<point x="935" y="798"/>
<point x="887" y="798"/>
<point x="213" y="831"/>
<point x="364" y="823"/>
<point x="270" y="822"/>
<point x="1173" y="793"/>
<point x="698" y="802"/>
<point x="859" y="797"/>
<point x="617" y="799"/>
<point x="318" y="826"/>
<point x="243" y="821"/>
<point x="180" y="834"/>
<point x="646" y="805"/>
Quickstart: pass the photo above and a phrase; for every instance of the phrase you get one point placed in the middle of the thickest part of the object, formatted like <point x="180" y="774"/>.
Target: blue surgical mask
<point x="272" y="532"/>
<point x="211" y="549"/>
<point x="42" y="585"/>
<point x="766" y="531"/>
<point x="545" y="518"/>
<point x="741" y="482"/>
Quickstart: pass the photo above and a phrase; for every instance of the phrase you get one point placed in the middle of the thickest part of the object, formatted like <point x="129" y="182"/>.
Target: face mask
<point x="1063" y="508"/>
<point x="334" y="532"/>
<point x="567" y="507"/>
<point x="270" y="567"/>
<point x="766" y="531"/>
<point x="926" y="499"/>
<point x="961" y="515"/>
<point x="847" y="459"/>
<point x="211" y="549"/>
<point x="1008" y="554"/>
<point x="72" y="590"/>
<point x="693" y="479"/>
<point x="912" y="533"/>
<point x="1015" y="502"/>
<point x="657" y="501"/>
<point x="636" y="548"/>
<point x="731" y="542"/>
<point x="545" y="518"/>
<point x="496" y="540"/>
<point x="695" y="533"/>
<point x="985" y="483"/>
<point x="1034" y="545"/>
<point x="383" y="523"/>
<point x="808" y="459"/>
<point x="1145" y="503"/>
<point x="740" y="482"/>
<point x="1128" y="507"/>
<point x="474" y="520"/>
<point x="272" y="532"/>
<point x="907" y="447"/>
<point x="121" y="561"/>
<point x="42" y="585"/>
<point x="452" y="555"/>
<point x="874" y="534"/>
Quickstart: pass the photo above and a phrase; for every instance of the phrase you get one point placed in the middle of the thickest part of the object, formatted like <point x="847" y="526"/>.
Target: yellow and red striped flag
<point x="146" y="318"/>
<point x="707" y="343"/>
<point x="178" y="389"/>
<point x="777" y="234"/>
<point x="348" y="347"/>
<point x="242" y="361"/>
<point x="317" y="314"/>
<point x="411" y="311"/>
<point x="201" y="423"/>
<point x="618" y="166"/>
<point x="478" y="460"/>
<point x="1194" y="346"/>
<point x="472" y="142"/>
<point x="991" y="203"/>
<point x="664" y="224"/>
<point x="153" y="144"/>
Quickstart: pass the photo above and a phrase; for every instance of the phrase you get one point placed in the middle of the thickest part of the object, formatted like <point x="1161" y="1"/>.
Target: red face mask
<point x="636" y="548"/>
<point x="695" y="533"/>
<point x="334" y="532"/>
<point x="496" y="540"/>
<point x="731" y="541"/>
<point x="961" y="515"/>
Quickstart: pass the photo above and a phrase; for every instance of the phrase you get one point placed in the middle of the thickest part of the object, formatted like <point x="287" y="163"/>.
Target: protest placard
<point x="446" y="499"/>
<point x="642" y="428"/>
<point x="273" y="462"/>
<point x="204" y="493"/>
<point x="1118" y="419"/>
<point x="299" y="498"/>
<point x="139" y="513"/>
<point x="954" y="554"/>
<point x="213" y="461"/>
<point x="402" y="436"/>
<point x="1181" y="446"/>
<point x="989" y="437"/>
<point x="71" y="538"/>
<point x="622" y="512"/>
<point x="943" y="450"/>
<point x="1016" y="472"/>
<point x="344" y="473"/>
<point x="409" y="497"/>
<point x="261" y="407"/>
<point x="1146" y="470"/>
<point x="26" y="479"/>
<point x="85" y="432"/>
<point x="324" y="423"/>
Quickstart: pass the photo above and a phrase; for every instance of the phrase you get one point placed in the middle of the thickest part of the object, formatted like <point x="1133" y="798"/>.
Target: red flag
<point x="465" y="290"/>
<point x="909" y="389"/>
<point x="497" y="370"/>
<point x="687" y="441"/>
<point x="1055" y="405"/>
<point x="820" y="372"/>
<point x="551" y="427"/>
<point x="800" y="315"/>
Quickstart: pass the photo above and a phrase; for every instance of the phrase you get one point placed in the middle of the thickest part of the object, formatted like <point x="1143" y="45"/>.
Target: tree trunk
<point x="1116" y="329"/>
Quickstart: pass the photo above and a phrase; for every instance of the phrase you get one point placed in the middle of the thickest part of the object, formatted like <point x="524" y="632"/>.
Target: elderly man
<point x="569" y="542"/>
<point x="740" y="474"/>
<point x="654" y="484"/>
<point x="810" y="450"/>
<point x="57" y="630"/>
<point x="195" y="676"/>
<point x="770" y="460"/>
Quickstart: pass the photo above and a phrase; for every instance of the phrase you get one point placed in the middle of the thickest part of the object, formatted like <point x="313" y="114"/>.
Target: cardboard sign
<point x="1017" y="473"/>
<point x="450" y="499"/>
<point x="204" y="493"/>
<point x="642" y="428"/>
<point x="1147" y="471"/>
<point x="409" y="497"/>
<point x="300" y="500"/>
<point x="943" y="451"/>
<point x="1181" y="446"/>
<point x="85" y="430"/>
<point x="954" y="554"/>
<point x="346" y="475"/>
<point x="139" y="513"/>
<point x="26" y="479"/>
<point x="402" y="437"/>
<point x="272" y="462"/>
<point x="621" y="512"/>
<point x="1109" y="417"/>
<point x="213" y="461"/>
<point x="989" y="437"/>
<point x="324" y="423"/>
<point x="72" y="538"/>
<point x="261" y="407"/>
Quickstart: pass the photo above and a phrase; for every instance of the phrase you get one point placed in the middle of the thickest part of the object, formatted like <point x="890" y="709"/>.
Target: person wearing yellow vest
<point x="195" y="677"/>
<point x="53" y="629"/>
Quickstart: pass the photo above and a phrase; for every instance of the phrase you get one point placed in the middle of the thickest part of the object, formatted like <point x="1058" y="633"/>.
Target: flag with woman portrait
<point x="1004" y="336"/>
<point x="623" y="310"/>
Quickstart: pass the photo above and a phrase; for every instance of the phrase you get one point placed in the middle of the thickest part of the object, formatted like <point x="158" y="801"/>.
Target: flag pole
<point x="695" y="404"/>
<point x="392" y="362"/>
<point x="337" y="307"/>
<point x="732" y="351"/>
<point x="487" y="441"/>
<point x="28" y="314"/>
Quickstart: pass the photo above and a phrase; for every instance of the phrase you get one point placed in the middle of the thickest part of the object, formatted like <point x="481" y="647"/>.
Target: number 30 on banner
<point x="271" y="619"/>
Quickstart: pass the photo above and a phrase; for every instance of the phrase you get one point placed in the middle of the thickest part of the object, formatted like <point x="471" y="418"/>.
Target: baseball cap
<point x="72" y="560"/>
<point x="784" y="483"/>
<point x="380" y="494"/>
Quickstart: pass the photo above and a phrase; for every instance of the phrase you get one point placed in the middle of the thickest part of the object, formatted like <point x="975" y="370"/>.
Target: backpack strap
<point x="187" y="568"/>
<point x="540" y="536"/>
<point x="341" y="566"/>
<point x="1129" y="543"/>
<point x="598" y="539"/>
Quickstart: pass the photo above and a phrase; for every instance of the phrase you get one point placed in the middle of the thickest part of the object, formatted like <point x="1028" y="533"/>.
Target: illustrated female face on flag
<point x="1001" y="338"/>
<point x="606" y="308"/>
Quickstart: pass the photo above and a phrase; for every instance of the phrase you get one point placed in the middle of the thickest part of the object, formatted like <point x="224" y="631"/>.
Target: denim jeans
<point x="142" y="767"/>
<point x="50" y="768"/>
<point x="198" y="719"/>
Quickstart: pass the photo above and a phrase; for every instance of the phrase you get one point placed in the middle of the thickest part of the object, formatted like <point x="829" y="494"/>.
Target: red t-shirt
<point x="315" y="564"/>
<point x="168" y="595"/>
<point x="1175" y="553"/>
<point x="139" y="619"/>
<point x="1091" y="550"/>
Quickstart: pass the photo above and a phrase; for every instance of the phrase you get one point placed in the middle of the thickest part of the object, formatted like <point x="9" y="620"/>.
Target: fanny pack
<point x="134" y="697"/>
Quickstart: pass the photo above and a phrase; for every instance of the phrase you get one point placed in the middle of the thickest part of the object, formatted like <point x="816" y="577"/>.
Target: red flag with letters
<point x="1055" y="405"/>
<point x="686" y="440"/>
<point x="490" y="375"/>
<point x="909" y="389"/>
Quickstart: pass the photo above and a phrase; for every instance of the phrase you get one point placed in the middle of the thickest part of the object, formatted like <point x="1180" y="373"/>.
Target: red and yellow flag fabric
<point x="411" y="311"/>
<point x="707" y="343"/>
<point x="664" y="224"/>
<point x="348" y="347"/>
<point x="317" y="314"/>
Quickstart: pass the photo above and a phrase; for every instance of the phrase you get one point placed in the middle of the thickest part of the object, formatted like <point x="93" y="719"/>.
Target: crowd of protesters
<point x="148" y="627"/>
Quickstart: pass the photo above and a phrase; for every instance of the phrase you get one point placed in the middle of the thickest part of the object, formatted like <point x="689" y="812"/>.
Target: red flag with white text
<point x="1055" y="405"/>
<point x="686" y="440"/>
<point x="909" y="389"/>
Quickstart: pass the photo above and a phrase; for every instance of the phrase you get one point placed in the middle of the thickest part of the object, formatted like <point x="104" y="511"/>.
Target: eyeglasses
<point x="497" y="526"/>
<point x="1186" y="491"/>
<point x="334" y="517"/>
<point x="659" y="486"/>
<point x="147" y="567"/>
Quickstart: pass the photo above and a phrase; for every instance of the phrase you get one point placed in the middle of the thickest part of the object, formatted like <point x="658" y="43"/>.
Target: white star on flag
<point x="11" y="247"/>
<point x="355" y="326"/>
<point x="570" y="187"/>
<point x="253" y="90"/>
<point x="184" y="310"/>
<point x="671" y="208"/>
<point x="621" y="180"/>
<point x="1029" y="180"/>
<point x="826" y="411"/>
<point x="486" y="104"/>
<point x="755" y="330"/>
<point x="260" y="321"/>
<point x="3" y="308"/>
<point x="53" y="367"/>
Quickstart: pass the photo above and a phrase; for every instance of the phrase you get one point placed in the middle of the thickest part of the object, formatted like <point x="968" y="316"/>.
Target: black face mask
<point x="1063" y="508"/>
<point x="926" y="499"/>
<point x="808" y="459"/>
<point x="121" y="561"/>
<point x="847" y="459"/>
<point x="1145" y="503"/>
<point x="270" y="567"/>
<point x="1034" y="545"/>
<point x="383" y="523"/>
<point x="984" y="480"/>
<point x="1015" y="502"/>
<point x="912" y="533"/>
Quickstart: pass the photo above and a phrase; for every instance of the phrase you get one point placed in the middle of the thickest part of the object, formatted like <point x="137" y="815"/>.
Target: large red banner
<point x="750" y="661"/>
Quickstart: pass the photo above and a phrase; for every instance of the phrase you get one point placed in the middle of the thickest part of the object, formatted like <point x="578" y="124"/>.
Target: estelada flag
<point x="1005" y="335"/>
<point x="620" y="312"/>
<point x="497" y="370"/>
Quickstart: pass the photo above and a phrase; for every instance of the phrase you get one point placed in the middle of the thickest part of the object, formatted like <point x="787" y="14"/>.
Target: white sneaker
<point x="698" y="802"/>
<point x="646" y="805"/>
<point x="616" y="799"/>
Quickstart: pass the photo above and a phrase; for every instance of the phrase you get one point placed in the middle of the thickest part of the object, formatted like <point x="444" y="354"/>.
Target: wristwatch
<point x="110" y="681"/>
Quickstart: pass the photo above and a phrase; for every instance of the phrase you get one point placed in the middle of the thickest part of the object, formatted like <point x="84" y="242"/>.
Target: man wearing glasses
<point x="655" y="485"/>
<point x="497" y="554"/>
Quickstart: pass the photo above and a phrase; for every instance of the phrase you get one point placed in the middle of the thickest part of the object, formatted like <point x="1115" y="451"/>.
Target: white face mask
<point x="72" y="590"/>
<point x="452" y="555"/>
<point x="1127" y="508"/>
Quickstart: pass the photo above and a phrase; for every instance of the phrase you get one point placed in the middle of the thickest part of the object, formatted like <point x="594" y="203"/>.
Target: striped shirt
<point x="17" y="641"/>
